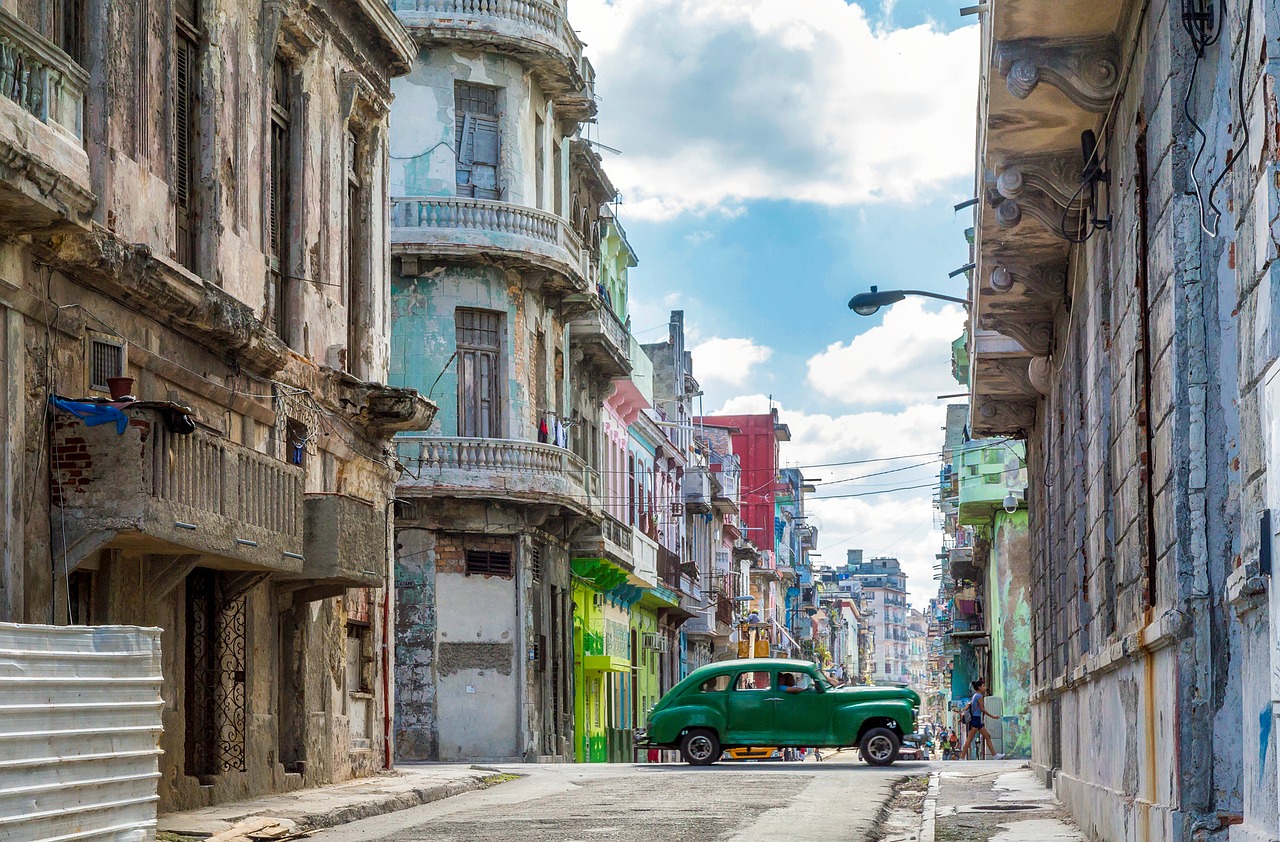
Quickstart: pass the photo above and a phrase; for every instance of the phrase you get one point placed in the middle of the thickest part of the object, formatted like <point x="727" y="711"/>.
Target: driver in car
<point x="787" y="683"/>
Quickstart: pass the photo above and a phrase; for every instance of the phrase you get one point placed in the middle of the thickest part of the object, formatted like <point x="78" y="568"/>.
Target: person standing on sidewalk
<point x="977" y="720"/>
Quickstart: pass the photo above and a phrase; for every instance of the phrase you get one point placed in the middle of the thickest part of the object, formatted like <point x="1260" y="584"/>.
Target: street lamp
<point x="867" y="303"/>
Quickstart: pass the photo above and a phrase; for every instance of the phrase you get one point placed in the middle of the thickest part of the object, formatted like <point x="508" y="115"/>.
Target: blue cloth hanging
<point x="93" y="414"/>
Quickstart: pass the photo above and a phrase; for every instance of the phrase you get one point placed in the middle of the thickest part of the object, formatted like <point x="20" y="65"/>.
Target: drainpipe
<point x="388" y="756"/>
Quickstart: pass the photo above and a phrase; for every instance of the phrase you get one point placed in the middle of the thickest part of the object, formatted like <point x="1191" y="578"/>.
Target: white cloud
<point x="719" y="102"/>
<point x="897" y="523"/>
<point x="730" y="361"/>
<point x="904" y="360"/>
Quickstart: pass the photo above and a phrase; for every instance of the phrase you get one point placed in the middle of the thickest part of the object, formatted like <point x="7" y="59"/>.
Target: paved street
<point x="835" y="799"/>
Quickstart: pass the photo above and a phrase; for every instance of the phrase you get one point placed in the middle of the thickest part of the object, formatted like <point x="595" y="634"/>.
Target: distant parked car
<point x="911" y="750"/>
<point x="777" y="703"/>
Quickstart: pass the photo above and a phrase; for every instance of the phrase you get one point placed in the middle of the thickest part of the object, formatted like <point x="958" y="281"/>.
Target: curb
<point x="387" y="804"/>
<point x="929" y="816"/>
<point x="375" y="805"/>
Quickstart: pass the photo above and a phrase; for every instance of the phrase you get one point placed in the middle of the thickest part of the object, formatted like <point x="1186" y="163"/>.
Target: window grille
<point x="535" y="562"/>
<point x="106" y="360"/>
<point x="486" y="563"/>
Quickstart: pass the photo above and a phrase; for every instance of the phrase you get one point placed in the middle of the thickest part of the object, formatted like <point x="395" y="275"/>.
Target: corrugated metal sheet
<point x="80" y="724"/>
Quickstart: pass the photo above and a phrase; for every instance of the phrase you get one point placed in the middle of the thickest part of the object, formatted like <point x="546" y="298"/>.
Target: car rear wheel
<point x="700" y="747"/>
<point x="879" y="746"/>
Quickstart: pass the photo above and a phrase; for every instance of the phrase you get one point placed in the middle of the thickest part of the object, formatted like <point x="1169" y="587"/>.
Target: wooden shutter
<point x="479" y="342"/>
<point x="477" y="142"/>
<point x="484" y="156"/>
<point x="185" y="143"/>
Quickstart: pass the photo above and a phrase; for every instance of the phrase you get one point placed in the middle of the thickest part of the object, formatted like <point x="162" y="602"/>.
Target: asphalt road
<point x="836" y="799"/>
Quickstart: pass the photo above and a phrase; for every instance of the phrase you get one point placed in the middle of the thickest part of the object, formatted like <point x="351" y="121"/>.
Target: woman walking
<point x="977" y="720"/>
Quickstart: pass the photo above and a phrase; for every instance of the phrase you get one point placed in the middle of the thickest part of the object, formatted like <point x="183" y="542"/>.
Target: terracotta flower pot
<point x="121" y="387"/>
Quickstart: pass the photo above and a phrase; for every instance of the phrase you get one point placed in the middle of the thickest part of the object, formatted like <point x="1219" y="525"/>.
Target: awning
<point x="660" y="597"/>
<point x="605" y="663"/>
<point x="600" y="573"/>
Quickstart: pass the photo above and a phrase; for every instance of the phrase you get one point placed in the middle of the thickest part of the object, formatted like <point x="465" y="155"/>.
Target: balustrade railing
<point x="617" y="532"/>
<point x="484" y="216"/>
<point x="547" y="18"/>
<point x="42" y="79"/>
<point x="211" y="474"/>
<point x="485" y="457"/>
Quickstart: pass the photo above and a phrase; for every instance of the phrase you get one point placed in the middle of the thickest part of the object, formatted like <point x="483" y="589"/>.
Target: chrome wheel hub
<point x="699" y="748"/>
<point x="879" y="748"/>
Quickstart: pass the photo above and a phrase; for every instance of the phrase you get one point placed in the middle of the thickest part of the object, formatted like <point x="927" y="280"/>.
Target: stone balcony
<point x="603" y="338"/>
<point x="504" y="469"/>
<point x="515" y="235"/>
<point x="611" y="539"/>
<point x="154" y="491"/>
<point x="45" y="167"/>
<point x="535" y="32"/>
<point x="346" y="543"/>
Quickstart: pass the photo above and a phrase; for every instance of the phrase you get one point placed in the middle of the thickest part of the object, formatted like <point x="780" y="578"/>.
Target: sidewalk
<point x="993" y="801"/>
<point x="287" y="815"/>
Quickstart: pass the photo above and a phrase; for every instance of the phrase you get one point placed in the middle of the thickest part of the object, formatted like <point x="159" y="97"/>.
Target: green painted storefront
<point x="616" y="658"/>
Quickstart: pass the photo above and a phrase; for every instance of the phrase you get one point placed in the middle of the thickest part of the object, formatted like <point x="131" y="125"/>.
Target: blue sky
<point x="778" y="156"/>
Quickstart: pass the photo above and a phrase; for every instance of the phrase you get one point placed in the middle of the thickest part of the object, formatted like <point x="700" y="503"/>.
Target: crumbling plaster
<point x="197" y="338"/>
<point x="422" y="156"/>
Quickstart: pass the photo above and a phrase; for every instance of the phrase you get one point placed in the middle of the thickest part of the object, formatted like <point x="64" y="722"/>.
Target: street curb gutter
<point x="318" y="817"/>
<point x="929" y="816"/>
<point x="388" y="804"/>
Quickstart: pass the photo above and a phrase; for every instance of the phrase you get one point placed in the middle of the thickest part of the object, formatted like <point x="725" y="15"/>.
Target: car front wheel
<point x="879" y="747"/>
<point x="700" y="747"/>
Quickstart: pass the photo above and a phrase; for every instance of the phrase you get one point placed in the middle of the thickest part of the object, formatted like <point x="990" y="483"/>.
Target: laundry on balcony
<point x="93" y="414"/>
<point x="95" y="411"/>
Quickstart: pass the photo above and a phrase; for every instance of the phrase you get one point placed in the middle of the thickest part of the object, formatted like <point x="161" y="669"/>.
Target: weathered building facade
<point x="496" y="240"/>
<point x="193" y="323"/>
<point x="1123" y="322"/>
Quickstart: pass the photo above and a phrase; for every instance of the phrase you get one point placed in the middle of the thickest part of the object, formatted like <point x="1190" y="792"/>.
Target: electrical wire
<point x="1205" y="29"/>
<point x="829" y="483"/>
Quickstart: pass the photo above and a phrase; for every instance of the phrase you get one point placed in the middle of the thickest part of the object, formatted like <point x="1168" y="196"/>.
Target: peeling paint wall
<point x="1136" y="507"/>
<point x="423" y="159"/>
<point x="196" y="336"/>
<point x="1009" y="613"/>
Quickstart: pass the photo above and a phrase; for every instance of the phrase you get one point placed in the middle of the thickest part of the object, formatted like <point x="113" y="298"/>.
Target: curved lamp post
<point x="867" y="303"/>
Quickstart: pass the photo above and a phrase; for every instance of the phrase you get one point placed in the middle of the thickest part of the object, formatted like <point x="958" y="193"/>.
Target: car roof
<point x="760" y="664"/>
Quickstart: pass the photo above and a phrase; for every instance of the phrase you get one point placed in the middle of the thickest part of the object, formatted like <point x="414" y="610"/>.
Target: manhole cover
<point x="1004" y="808"/>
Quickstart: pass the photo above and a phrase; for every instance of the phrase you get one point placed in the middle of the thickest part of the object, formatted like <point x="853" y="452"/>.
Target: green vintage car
<point x="777" y="702"/>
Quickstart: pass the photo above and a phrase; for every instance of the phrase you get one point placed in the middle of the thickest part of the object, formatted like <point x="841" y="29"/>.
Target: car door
<point x="801" y="710"/>
<point x="750" y="713"/>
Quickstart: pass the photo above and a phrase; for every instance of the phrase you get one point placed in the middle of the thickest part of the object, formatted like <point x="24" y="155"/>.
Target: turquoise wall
<point x="423" y="338"/>
<point x="1009" y="622"/>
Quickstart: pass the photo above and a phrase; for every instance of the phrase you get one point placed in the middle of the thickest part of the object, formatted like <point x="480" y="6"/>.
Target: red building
<point x="755" y="441"/>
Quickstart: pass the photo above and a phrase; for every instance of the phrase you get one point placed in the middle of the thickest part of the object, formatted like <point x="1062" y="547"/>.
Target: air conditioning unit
<point x="654" y="642"/>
